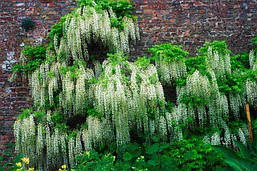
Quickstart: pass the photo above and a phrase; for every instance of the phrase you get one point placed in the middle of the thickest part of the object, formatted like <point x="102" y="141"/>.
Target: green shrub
<point x="8" y="160"/>
<point x="57" y="29"/>
<point x="168" y="52"/>
<point x="244" y="159"/>
<point x="220" y="46"/>
<point x="34" y="52"/>
<point x="191" y="154"/>
<point x="120" y="7"/>
<point x="254" y="43"/>
<point x="27" y="24"/>
<point x="188" y="154"/>
<point x="34" y="57"/>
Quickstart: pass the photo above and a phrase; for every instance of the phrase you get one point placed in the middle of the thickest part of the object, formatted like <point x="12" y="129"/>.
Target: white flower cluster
<point x="24" y="132"/>
<point x="46" y="81"/>
<point x="251" y="92"/>
<point x="198" y="85"/>
<point x="87" y="26"/>
<point x="236" y="101"/>
<point x="170" y="71"/>
<point x="25" y="137"/>
<point x="252" y="60"/>
<point x="32" y="141"/>
<point x="127" y="105"/>
<point x="178" y="114"/>
<point x="228" y="139"/>
<point x="219" y="63"/>
<point x="218" y="109"/>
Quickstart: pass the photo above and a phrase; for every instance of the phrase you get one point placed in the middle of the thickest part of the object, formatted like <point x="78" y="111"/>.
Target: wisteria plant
<point x="87" y="95"/>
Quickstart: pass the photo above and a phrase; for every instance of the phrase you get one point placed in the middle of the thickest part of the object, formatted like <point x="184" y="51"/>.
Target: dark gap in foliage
<point x="75" y="121"/>
<point x="169" y="93"/>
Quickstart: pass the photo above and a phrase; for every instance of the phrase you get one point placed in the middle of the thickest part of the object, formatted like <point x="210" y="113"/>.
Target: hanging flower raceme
<point x="130" y="97"/>
<point x="170" y="62"/>
<point x="228" y="139"/>
<point x="219" y="63"/>
<point x="251" y="92"/>
<point x="87" y="26"/>
<point x="252" y="60"/>
<point x="198" y="85"/>
<point x="25" y="137"/>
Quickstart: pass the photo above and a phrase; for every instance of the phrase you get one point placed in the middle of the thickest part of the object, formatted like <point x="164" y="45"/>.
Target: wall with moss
<point x="186" y="22"/>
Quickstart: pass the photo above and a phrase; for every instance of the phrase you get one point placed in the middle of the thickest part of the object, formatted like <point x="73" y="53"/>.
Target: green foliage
<point x="254" y="43"/>
<point x="196" y="63"/>
<point x="73" y="69"/>
<point x="255" y="127"/>
<point x="193" y="64"/>
<point x="116" y="58"/>
<point x="240" y="61"/>
<point x="129" y="157"/>
<point x="191" y="154"/>
<point x="93" y="112"/>
<point x="220" y="46"/>
<point x="235" y="125"/>
<point x="27" y="24"/>
<point x="143" y="62"/>
<point x="8" y="160"/>
<point x="168" y="53"/>
<point x="95" y="161"/>
<point x="193" y="100"/>
<point x="120" y="7"/>
<point x="117" y="22"/>
<point x="25" y="113"/>
<point x="230" y="83"/>
<point x="244" y="159"/>
<point x="235" y="82"/>
<point x="57" y="29"/>
<point x="34" y="52"/>
<point x="40" y="116"/>
<point x="153" y="78"/>
<point x="34" y="57"/>
<point x="10" y="166"/>
<point x="169" y="106"/>
<point x="57" y="118"/>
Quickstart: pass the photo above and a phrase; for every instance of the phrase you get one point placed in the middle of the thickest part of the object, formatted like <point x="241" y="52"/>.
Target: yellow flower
<point x="64" y="166"/>
<point x="25" y="160"/>
<point x="18" y="164"/>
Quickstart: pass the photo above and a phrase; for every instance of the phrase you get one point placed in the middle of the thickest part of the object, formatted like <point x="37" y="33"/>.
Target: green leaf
<point x="152" y="162"/>
<point x="127" y="156"/>
<point x="243" y="150"/>
<point x="152" y="149"/>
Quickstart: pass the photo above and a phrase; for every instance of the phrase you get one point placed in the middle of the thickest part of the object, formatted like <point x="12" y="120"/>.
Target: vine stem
<point x="249" y="122"/>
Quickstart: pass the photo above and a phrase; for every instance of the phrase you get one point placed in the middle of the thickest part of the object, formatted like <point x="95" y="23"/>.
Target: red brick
<point x="148" y="11"/>
<point x="172" y="20"/>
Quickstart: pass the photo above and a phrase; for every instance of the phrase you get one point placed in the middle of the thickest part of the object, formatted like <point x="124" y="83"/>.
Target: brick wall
<point x="192" y="22"/>
<point x="185" y="22"/>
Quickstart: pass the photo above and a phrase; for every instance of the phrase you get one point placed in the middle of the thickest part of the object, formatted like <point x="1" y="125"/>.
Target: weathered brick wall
<point x="185" y="22"/>
<point x="192" y="22"/>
